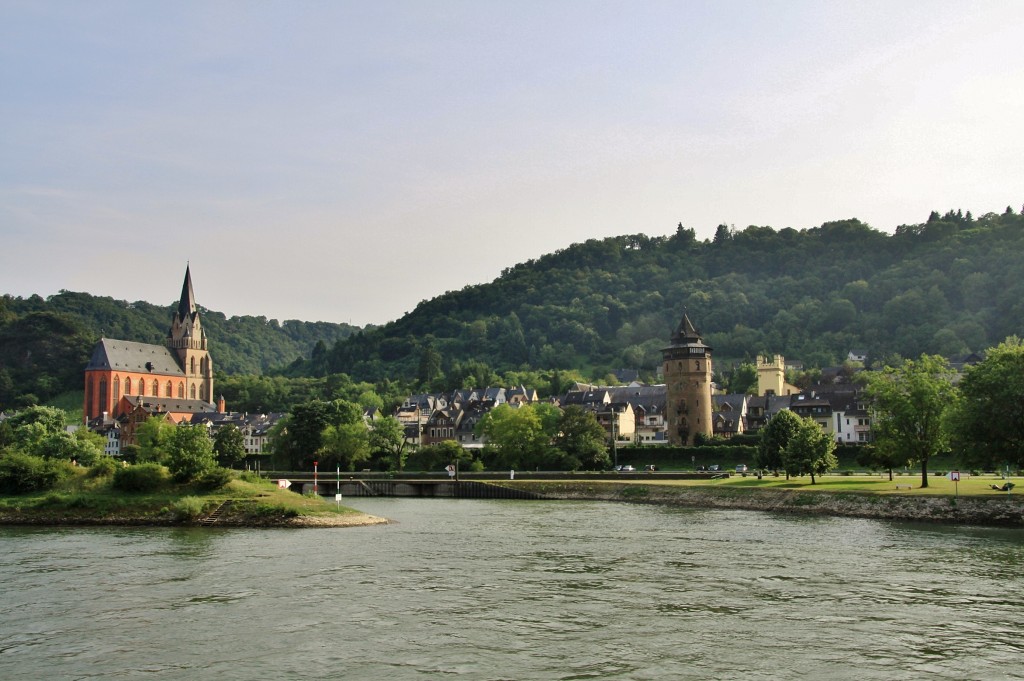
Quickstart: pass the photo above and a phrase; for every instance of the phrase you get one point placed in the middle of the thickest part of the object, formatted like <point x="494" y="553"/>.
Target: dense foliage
<point x="951" y="285"/>
<point x="948" y="286"/>
<point x="988" y="421"/>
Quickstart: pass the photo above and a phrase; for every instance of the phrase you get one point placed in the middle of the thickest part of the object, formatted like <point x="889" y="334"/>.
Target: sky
<point x="343" y="161"/>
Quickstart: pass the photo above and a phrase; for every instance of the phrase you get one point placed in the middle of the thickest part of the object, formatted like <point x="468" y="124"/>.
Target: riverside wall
<point x="1002" y="511"/>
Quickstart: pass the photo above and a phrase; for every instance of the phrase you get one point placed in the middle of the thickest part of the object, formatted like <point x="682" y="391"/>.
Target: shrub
<point x="188" y="508"/>
<point x="105" y="466"/>
<point x="143" y="477"/>
<point x="215" y="478"/>
<point x="273" y="511"/>
<point x="22" y="473"/>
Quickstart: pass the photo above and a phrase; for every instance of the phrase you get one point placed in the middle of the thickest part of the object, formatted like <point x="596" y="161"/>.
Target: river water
<point x="478" y="589"/>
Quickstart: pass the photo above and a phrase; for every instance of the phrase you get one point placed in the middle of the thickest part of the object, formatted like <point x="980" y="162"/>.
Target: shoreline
<point x="991" y="511"/>
<point x="1003" y="511"/>
<point x="301" y="521"/>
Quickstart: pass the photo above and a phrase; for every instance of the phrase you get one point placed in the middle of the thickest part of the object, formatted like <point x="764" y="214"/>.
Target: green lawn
<point x="873" y="484"/>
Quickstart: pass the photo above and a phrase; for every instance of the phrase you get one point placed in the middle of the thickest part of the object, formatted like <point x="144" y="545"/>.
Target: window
<point x="192" y="365"/>
<point x="156" y="388"/>
<point x="167" y="389"/>
<point x="192" y="391"/>
<point x="128" y="386"/>
<point x="117" y="389"/>
<point x="181" y="391"/>
<point x="103" y="395"/>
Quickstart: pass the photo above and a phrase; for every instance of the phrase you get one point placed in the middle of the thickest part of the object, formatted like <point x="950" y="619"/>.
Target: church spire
<point x="187" y="304"/>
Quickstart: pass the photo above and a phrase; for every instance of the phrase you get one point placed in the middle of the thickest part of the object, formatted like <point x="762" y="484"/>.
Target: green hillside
<point x="950" y="285"/>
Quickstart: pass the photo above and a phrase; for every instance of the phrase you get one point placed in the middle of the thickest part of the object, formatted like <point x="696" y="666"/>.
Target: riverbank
<point x="128" y="519"/>
<point x="1002" y="510"/>
<point x="239" y="503"/>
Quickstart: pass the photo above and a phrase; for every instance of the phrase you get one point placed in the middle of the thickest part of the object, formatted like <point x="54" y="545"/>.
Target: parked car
<point x="714" y="468"/>
<point x="650" y="468"/>
<point x="627" y="469"/>
<point x="742" y="468"/>
<point x="701" y="469"/>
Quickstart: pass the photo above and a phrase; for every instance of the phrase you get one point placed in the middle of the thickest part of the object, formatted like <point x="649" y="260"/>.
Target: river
<point x="496" y="590"/>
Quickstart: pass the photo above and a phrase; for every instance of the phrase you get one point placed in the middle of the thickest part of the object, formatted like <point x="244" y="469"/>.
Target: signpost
<point x="337" y="495"/>
<point x="316" y="487"/>
<point x="955" y="477"/>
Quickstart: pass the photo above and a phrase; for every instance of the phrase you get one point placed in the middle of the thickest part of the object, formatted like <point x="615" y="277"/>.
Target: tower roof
<point x="686" y="332"/>
<point x="686" y="335"/>
<point x="187" y="304"/>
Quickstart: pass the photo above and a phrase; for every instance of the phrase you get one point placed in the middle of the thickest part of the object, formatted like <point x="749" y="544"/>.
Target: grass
<point x="87" y="498"/>
<point x="862" y="484"/>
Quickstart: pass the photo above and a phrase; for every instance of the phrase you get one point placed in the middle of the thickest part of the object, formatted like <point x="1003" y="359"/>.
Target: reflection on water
<point x="515" y="590"/>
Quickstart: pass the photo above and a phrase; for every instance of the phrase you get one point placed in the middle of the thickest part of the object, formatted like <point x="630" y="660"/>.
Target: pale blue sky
<point x="343" y="161"/>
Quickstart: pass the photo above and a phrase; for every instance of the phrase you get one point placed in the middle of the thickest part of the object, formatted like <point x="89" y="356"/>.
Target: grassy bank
<point x="851" y="496"/>
<point x="251" y="502"/>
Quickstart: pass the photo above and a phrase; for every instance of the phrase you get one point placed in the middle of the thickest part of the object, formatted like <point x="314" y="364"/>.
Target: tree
<point x="582" y="438"/>
<point x="744" y="379"/>
<point x="810" y="450"/>
<point x="883" y="455"/>
<point x="51" y="419"/>
<point x="153" y="434"/>
<point x="387" y="440"/>
<point x="516" y="438"/>
<point x="229" y="445"/>
<point x="988" y="421"/>
<point x="189" y="453"/>
<point x="910" y="404"/>
<point x="345" y="445"/>
<point x="774" y="437"/>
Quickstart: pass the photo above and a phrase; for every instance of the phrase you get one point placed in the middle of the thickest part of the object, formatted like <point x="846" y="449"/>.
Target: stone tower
<point x="687" y="372"/>
<point x="187" y="339"/>
<point x="771" y="375"/>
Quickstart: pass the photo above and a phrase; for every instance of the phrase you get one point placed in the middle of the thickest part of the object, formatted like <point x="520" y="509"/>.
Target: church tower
<point x="687" y="372"/>
<point x="187" y="339"/>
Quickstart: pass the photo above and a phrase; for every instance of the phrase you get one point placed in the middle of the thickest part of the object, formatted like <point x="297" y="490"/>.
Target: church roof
<point x="120" y="355"/>
<point x="170" y="404"/>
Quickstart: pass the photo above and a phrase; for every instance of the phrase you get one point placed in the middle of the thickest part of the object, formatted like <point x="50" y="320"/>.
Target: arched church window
<point x="156" y="388"/>
<point x="192" y="365"/>
<point x="128" y="386"/>
<point x="192" y="391"/>
<point x="167" y="389"/>
<point x="181" y="391"/>
<point x="117" y="389"/>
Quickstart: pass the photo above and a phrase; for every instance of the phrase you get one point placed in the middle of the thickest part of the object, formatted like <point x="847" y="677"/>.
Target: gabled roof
<point x="119" y="355"/>
<point x="170" y="405"/>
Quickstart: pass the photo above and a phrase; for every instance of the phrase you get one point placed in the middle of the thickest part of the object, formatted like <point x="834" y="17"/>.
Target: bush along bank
<point x="1004" y="511"/>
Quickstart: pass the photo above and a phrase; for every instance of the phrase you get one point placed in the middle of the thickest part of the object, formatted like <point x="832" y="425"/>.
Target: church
<point x="125" y="379"/>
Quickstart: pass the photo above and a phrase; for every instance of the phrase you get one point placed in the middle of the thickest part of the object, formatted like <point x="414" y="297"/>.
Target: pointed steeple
<point x="187" y="304"/>
<point x="686" y="331"/>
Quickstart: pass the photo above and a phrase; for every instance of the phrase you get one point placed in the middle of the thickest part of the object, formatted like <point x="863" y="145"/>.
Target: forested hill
<point x="45" y="343"/>
<point x="950" y="285"/>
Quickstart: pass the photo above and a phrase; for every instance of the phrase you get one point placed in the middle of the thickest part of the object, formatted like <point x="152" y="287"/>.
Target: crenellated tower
<point x="687" y="372"/>
<point x="187" y="339"/>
